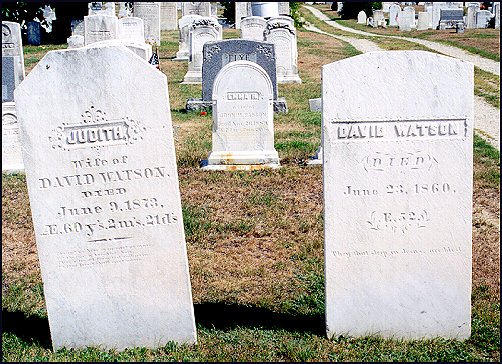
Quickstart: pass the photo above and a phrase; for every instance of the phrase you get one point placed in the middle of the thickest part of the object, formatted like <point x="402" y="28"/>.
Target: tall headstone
<point x="483" y="18"/>
<point x="184" y="26"/>
<point x="378" y="18"/>
<point x="131" y="28"/>
<point x="33" y="34"/>
<point x="202" y="8"/>
<point x="12" y="160"/>
<point x="203" y="30"/>
<point x="404" y="21"/>
<point x="242" y="10"/>
<point x="253" y="28"/>
<point x="283" y="7"/>
<point x="398" y="195"/>
<point x="104" y="195"/>
<point x="283" y="36"/>
<point x="429" y="9"/>
<point x="243" y="119"/>
<point x="496" y="12"/>
<point x="99" y="27"/>
<point x="150" y="13"/>
<point x="168" y="16"/>
<point x="361" y="17"/>
<point x="423" y="20"/>
<point x="409" y="12"/>
<point x="472" y="9"/>
<point x="394" y="13"/>
<point x="12" y="57"/>
<point x="218" y="54"/>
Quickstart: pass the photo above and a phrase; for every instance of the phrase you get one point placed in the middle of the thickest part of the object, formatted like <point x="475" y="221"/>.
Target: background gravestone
<point x="104" y="195"/>
<point x="33" y="35"/>
<point x="398" y="195"/>
<point x="202" y="8"/>
<point x="12" y="160"/>
<point x="131" y="28"/>
<point x="184" y="26"/>
<point x="252" y="28"/>
<point x="242" y="10"/>
<point x="394" y="13"/>
<point x="9" y="78"/>
<point x="472" y="9"/>
<point x="243" y="119"/>
<point x="218" y="54"/>
<point x="12" y="47"/>
<point x="150" y="13"/>
<point x="168" y="16"/>
<point x="99" y="27"/>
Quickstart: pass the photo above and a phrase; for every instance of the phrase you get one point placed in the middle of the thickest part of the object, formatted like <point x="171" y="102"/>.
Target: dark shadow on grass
<point x="221" y="316"/>
<point x="32" y="329"/>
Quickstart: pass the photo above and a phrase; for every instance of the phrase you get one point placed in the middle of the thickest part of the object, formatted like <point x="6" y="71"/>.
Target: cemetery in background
<point x="213" y="182"/>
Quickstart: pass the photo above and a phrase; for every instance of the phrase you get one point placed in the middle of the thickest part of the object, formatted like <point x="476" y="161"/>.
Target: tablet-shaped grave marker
<point x="184" y="25"/>
<point x="150" y="13"/>
<point x="100" y="27"/>
<point x="252" y="28"/>
<point x="243" y="119"/>
<point x="12" y="59"/>
<point x="398" y="195"/>
<point x="12" y="160"/>
<point x="131" y="28"/>
<point x="104" y="195"/>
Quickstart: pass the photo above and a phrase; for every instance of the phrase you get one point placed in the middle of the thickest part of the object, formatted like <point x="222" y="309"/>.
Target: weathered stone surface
<point x="242" y="10"/>
<point x="150" y="13"/>
<point x="201" y="8"/>
<point x="78" y="28"/>
<point x="184" y="28"/>
<point x="12" y="46"/>
<point x="378" y="18"/>
<point x="283" y="7"/>
<point x="131" y="28"/>
<point x="99" y="27"/>
<point x="143" y="50"/>
<point x="361" y="17"/>
<point x="104" y="195"/>
<point x="252" y="28"/>
<point x="201" y="31"/>
<point x="243" y="119"/>
<point x="9" y="78"/>
<point x="218" y="54"/>
<point x="12" y="160"/>
<point x="472" y="9"/>
<point x="283" y="36"/>
<point x="423" y="20"/>
<point x="496" y="12"/>
<point x="483" y="18"/>
<point x="75" y="41"/>
<point x="395" y="267"/>
<point x="168" y="16"/>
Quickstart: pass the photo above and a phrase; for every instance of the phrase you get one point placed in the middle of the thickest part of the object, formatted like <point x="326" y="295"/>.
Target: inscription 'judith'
<point x="96" y="134"/>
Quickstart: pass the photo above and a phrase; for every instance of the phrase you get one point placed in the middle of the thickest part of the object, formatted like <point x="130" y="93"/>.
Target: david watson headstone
<point x="184" y="29"/>
<point x="398" y="195"/>
<point x="201" y="31"/>
<point x="106" y="208"/>
<point x="33" y="35"/>
<point x="252" y="28"/>
<point x="150" y="13"/>
<point x="131" y="28"/>
<point x="472" y="9"/>
<point x="12" y="59"/>
<point x="202" y="8"/>
<point x="12" y="160"/>
<point x="283" y="36"/>
<point x="243" y="119"/>
<point x="99" y="27"/>
<point x="394" y="13"/>
<point x="361" y="17"/>
<point x="242" y="10"/>
<point x="168" y="16"/>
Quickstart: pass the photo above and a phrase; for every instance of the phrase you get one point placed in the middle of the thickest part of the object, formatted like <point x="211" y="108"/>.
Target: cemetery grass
<point x="483" y="42"/>
<point x="255" y="247"/>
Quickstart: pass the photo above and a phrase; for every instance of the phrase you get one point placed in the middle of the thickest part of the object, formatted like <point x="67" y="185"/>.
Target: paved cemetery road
<point x="485" y="64"/>
<point x="486" y="117"/>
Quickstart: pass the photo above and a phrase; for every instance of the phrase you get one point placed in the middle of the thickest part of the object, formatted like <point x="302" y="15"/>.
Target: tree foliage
<point x="351" y="9"/>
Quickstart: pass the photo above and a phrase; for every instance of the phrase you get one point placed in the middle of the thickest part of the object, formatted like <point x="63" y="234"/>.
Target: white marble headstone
<point x="131" y="28"/>
<point x="99" y="27"/>
<point x="201" y="31"/>
<point x="184" y="26"/>
<point x="472" y="9"/>
<point x="242" y="10"/>
<point x="394" y="13"/>
<point x="483" y="18"/>
<point x="104" y="195"/>
<point x="243" y="119"/>
<point x="423" y="20"/>
<point x="252" y="28"/>
<point x="283" y="7"/>
<point x="75" y="41"/>
<point x="150" y="13"/>
<point x="202" y="8"/>
<point x="398" y="195"/>
<point x="168" y="16"/>
<point x="378" y="17"/>
<point x="409" y="12"/>
<point x="12" y="160"/>
<point x="496" y="12"/>
<point x="142" y="49"/>
<point x="361" y="17"/>
<point x="12" y="46"/>
<point x="283" y="36"/>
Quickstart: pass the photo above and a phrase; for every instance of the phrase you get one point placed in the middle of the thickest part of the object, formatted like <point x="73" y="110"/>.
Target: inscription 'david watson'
<point x="389" y="130"/>
<point x="95" y="130"/>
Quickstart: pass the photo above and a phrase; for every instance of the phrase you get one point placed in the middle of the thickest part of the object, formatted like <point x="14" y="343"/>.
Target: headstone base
<point x="192" y="77"/>
<point x="289" y="79"/>
<point x="315" y="105"/>
<point x="181" y="56"/>
<point x="280" y="105"/>
<point x="241" y="160"/>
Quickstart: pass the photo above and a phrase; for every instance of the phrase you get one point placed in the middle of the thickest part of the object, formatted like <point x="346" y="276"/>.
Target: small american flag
<point x="154" y="60"/>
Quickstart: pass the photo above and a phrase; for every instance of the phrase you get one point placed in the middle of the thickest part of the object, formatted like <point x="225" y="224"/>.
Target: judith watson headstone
<point x="106" y="208"/>
<point x="398" y="195"/>
<point x="243" y="119"/>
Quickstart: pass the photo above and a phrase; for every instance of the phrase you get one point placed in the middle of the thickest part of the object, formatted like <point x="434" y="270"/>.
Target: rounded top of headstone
<point x="238" y="71"/>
